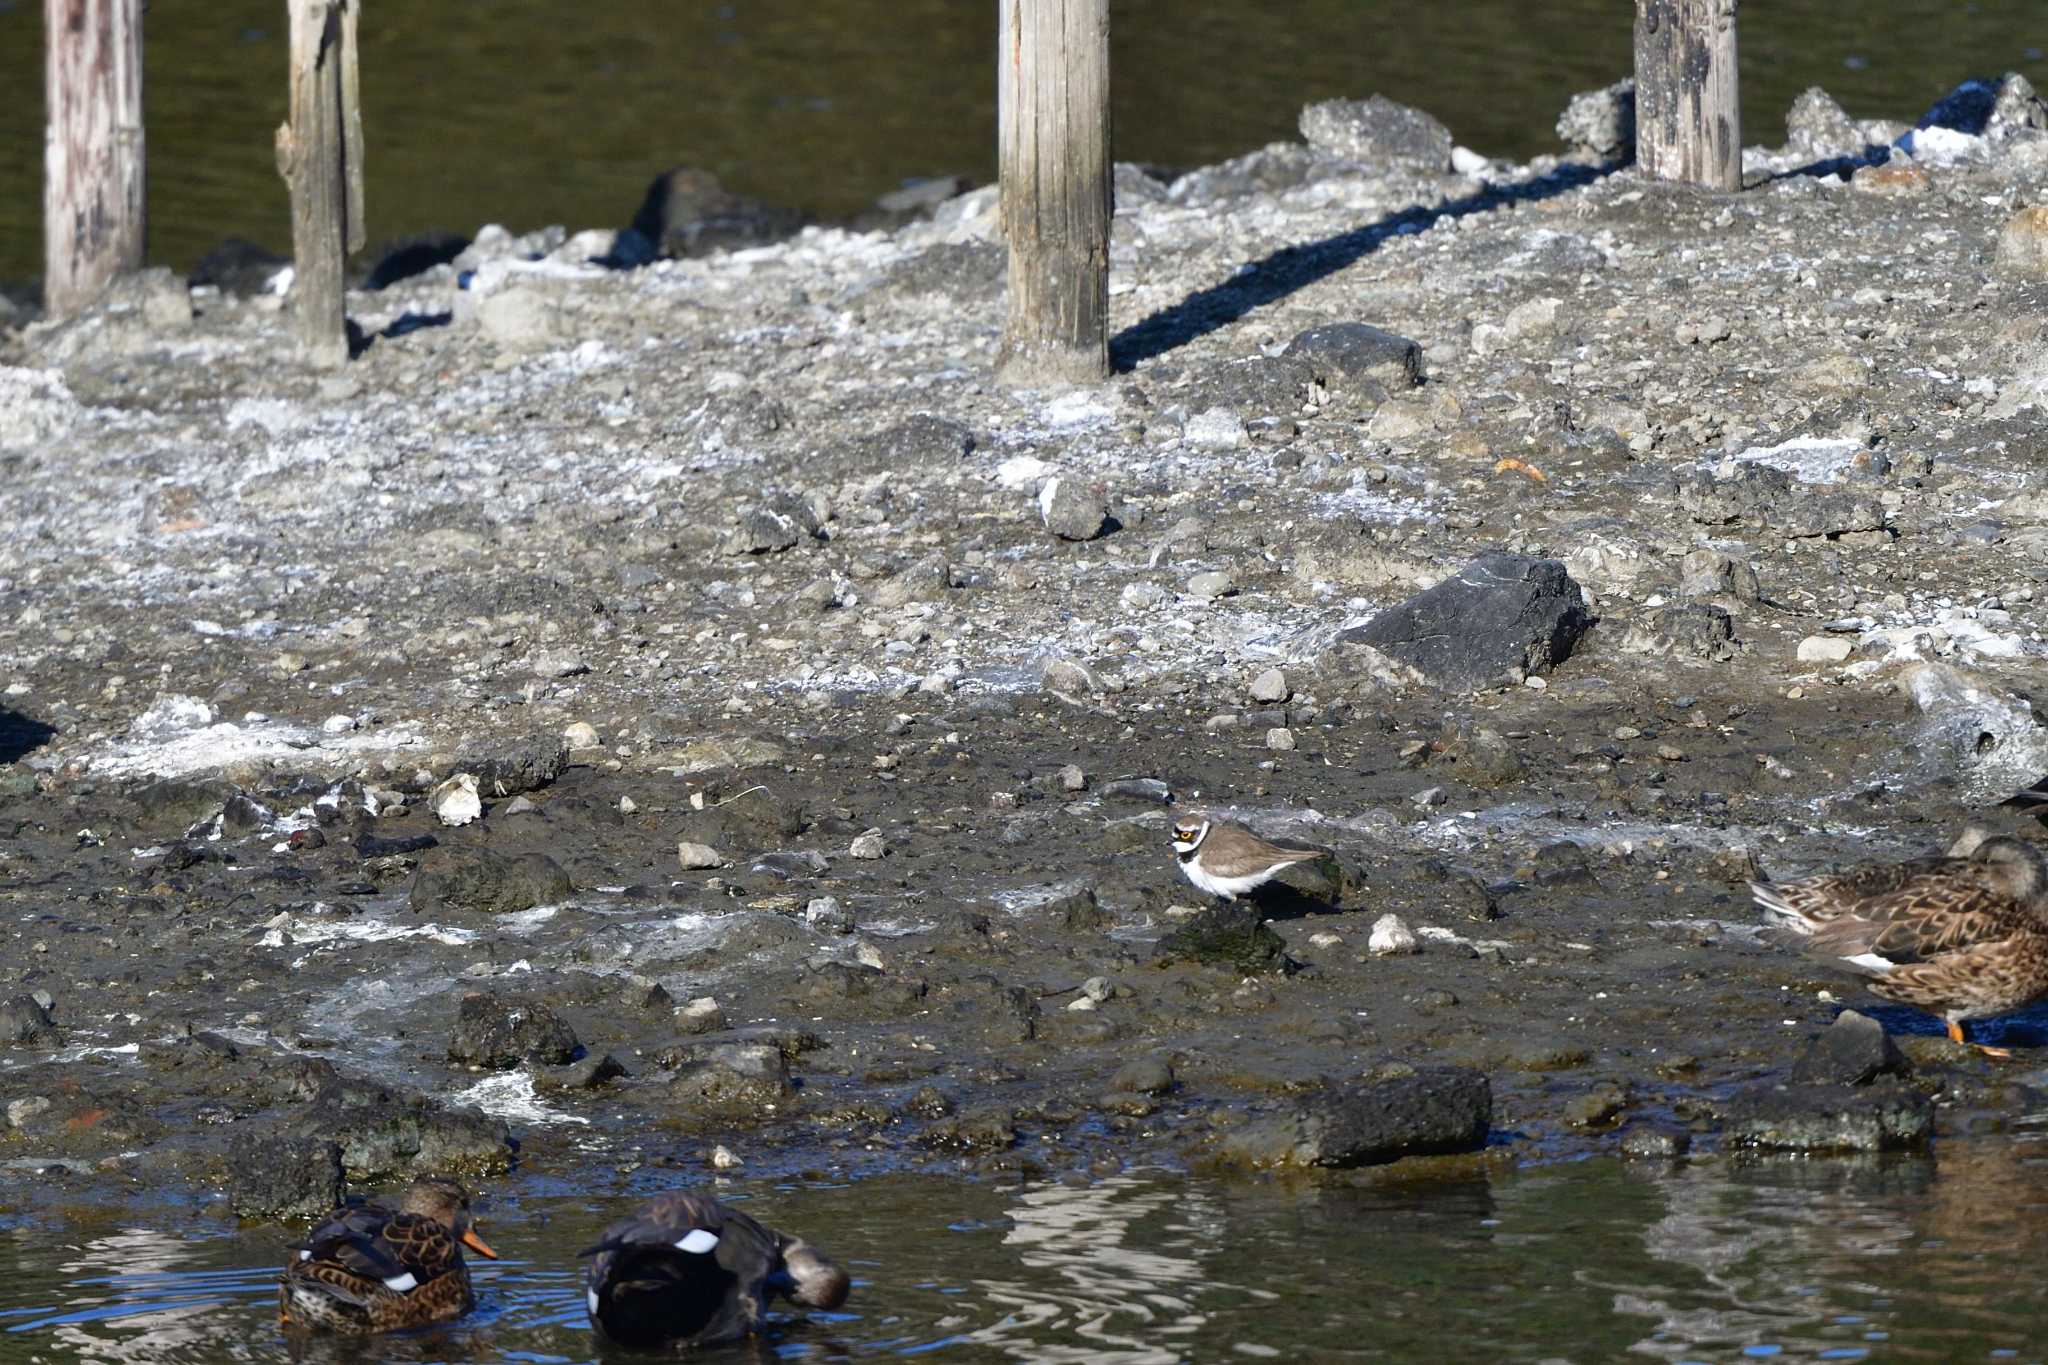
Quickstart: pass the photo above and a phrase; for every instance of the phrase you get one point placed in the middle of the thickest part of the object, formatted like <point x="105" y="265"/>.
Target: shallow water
<point x="1895" y="1259"/>
<point x="559" y="112"/>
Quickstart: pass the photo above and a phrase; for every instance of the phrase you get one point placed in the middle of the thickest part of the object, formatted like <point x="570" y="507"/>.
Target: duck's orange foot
<point x="1955" y="1033"/>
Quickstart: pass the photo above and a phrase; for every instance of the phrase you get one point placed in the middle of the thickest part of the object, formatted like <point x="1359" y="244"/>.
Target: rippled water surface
<point x="1906" y="1259"/>
<point x="553" y="111"/>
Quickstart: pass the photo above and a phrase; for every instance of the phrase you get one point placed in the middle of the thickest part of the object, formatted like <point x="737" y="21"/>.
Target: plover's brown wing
<point x="1231" y="851"/>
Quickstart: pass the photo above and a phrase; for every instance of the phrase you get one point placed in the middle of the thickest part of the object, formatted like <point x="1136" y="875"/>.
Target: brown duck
<point x="372" y="1269"/>
<point x="1963" y="936"/>
<point x="686" y="1270"/>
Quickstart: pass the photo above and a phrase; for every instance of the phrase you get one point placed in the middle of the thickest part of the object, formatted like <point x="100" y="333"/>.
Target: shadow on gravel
<point x="1274" y="277"/>
<point x="21" y="735"/>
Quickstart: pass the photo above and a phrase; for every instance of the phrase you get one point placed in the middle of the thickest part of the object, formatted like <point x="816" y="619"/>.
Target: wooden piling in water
<point x="92" y="148"/>
<point x="320" y="156"/>
<point x="1054" y="154"/>
<point x="1688" y="121"/>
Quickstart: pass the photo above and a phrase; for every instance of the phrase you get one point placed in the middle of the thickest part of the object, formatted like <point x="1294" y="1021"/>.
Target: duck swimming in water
<point x="375" y="1269"/>
<point x="687" y="1270"/>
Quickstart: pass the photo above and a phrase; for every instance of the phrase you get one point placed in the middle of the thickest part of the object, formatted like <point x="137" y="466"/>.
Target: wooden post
<point x="1053" y="120"/>
<point x="1688" y="121"/>
<point x="320" y="156"/>
<point x="92" y="148"/>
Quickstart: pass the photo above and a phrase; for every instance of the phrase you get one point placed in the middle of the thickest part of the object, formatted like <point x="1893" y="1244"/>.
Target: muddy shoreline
<point x="748" y="553"/>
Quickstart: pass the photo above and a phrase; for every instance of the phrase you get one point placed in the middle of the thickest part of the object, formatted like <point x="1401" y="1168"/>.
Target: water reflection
<point x="1126" y="1295"/>
<point x="1827" y="1259"/>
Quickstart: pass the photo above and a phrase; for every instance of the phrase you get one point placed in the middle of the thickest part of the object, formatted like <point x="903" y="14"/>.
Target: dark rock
<point x="687" y="212"/>
<point x="792" y="864"/>
<point x="1143" y="1076"/>
<point x="369" y="846"/>
<point x="1257" y="386"/>
<point x="1651" y="1142"/>
<point x="1346" y="356"/>
<point x="23" y="1020"/>
<point x="1819" y="128"/>
<point x="405" y="257"/>
<point x="1434" y="1110"/>
<point x="500" y="1032"/>
<point x="511" y="767"/>
<point x="1486" y="758"/>
<point x="383" y="1134"/>
<point x="239" y="268"/>
<point x="2018" y="110"/>
<point x="1600" y="125"/>
<point x="1269" y="170"/>
<point x="1378" y="131"/>
<point x="780" y="521"/>
<point x="1146" y="789"/>
<point x="1823" y="1118"/>
<point x="733" y="1080"/>
<point x="920" y="438"/>
<point x="588" y="1074"/>
<point x="1855" y="1050"/>
<point x="173" y="806"/>
<point x="1828" y="514"/>
<point x="1748" y="494"/>
<point x="753" y="818"/>
<point x="1599" y="1107"/>
<point x="277" y="1175"/>
<point x="1233" y="935"/>
<point x="1693" y="630"/>
<point x="1497" y="620"/>
<point x="1078" y="911"/>
<point x="988" y="1129"/>
<point x="1074" y="509"/>
<point x="1564" y="863"/>
<point x="478" y="879"/>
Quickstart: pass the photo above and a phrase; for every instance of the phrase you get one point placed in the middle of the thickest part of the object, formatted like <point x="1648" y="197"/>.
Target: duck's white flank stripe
<point x="698" y="1242"/>
<point x="402" y="1284"/>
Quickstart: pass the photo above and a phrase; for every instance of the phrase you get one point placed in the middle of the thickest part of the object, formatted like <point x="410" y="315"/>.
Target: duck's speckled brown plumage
<point x="350" y="1274"/>
<point x="645" y="1291"/>
<point x="1960" y="937"/>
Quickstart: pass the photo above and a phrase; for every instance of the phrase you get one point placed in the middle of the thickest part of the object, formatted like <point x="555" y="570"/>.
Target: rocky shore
<point x="663" y="704"/>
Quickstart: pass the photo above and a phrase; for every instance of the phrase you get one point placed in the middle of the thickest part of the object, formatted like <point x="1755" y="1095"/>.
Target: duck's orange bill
<point x="477" y="1244"/>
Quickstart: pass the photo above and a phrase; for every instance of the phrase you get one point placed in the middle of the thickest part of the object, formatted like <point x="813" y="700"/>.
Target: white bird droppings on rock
<point x="868" y="846"/>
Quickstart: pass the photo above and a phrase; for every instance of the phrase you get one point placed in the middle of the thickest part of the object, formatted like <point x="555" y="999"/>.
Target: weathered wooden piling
<point x="92" y="148"/>
<point x="1053" y="130"/>
<point x="1688" y="122"/>
<point x="320" y="156"/>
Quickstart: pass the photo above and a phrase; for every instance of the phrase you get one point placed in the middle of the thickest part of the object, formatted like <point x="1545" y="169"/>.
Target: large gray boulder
<point x="1377" y="131"/>
<point x="1434" y="1110"/>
